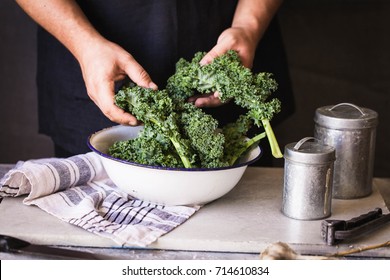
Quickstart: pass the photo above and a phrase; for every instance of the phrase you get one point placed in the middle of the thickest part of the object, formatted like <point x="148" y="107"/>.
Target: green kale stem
<point x="272" y="139"/>
<point x="176" y="144"/>
<point x="178" y="147"/>
<point x="248" y="144"/>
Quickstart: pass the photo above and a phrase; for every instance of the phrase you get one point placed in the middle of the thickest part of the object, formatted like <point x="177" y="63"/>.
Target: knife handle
<point x="9" y="243"/>
<point x="363" y="219"/>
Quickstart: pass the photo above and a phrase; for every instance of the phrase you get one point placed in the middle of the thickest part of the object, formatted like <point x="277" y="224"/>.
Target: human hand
<point x="206" y="100"/>
<point x="234" y="38"/>
<point x="104" y="64"/>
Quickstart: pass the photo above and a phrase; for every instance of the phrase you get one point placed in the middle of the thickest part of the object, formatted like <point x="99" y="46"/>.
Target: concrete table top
<point x="239" y="225"/>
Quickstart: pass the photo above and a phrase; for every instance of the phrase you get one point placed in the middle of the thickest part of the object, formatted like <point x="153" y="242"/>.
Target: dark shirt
<point x="157" y="33"/>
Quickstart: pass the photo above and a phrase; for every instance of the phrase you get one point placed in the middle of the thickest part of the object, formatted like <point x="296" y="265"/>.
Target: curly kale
<point x="178" y="134"/>
<point x="150" y="147"/>
<point x="202" y="131"/>
<point x="227" y="76"/>
<point x="157" y="111"/>
<point x="236" y="142"/>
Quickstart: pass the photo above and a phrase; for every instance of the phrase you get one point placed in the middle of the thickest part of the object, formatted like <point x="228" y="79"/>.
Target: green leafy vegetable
<point x="178" y="134"/>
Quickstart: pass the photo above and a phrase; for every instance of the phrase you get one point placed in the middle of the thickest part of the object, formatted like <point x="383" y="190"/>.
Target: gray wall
<point x="19" y="139"/>
<point x="338" y="51"/>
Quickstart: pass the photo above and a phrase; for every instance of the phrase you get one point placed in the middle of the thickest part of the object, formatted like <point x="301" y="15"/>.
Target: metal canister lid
<point x="345" y="116"/>
<point x="309" y="152"/>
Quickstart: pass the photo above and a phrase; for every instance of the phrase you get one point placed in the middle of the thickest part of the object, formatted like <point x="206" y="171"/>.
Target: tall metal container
<point x="308" y="178"/>
<point x="351" y="130"/>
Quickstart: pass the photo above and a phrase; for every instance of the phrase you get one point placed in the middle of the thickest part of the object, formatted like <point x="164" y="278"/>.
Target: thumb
<point x="213" y="53"/>
<point x="138" y="74"/>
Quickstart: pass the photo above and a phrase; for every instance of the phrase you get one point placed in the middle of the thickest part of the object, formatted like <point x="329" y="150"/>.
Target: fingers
<point x="137" y="73"/>
<point x="232" y="39"/>
<point x="101" y="84"/>
<point x="206" y="100"/>
<point x="103" y="96"/>
<point x="226" y="41"/>
<point x="213" y="53"/>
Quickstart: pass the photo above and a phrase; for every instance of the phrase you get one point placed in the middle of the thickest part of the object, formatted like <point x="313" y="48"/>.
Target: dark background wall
<point x="338" y="51"/>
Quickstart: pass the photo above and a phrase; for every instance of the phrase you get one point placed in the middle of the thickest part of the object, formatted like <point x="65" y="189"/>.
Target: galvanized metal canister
<point x="351" y="130"/>
<point x="308" y="178"/>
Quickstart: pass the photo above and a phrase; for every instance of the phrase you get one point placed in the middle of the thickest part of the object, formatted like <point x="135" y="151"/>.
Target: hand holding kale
<point x="231" y="80"/>
<point x="178" y="134"/>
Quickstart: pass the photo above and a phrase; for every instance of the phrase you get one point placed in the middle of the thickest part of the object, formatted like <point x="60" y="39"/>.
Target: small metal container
<point x="308" y="178"/>
<point x="351" y="130"/>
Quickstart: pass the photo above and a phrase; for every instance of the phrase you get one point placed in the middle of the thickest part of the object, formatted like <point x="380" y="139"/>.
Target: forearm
<point x="64" y="20"/>
<point x="254" y="16"/>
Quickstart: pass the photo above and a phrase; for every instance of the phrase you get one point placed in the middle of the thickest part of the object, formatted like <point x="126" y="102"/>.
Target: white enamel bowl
<point x="169" y="186"/>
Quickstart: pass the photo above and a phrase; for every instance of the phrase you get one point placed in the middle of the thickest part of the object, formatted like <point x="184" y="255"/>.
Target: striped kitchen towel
<point x="77" y="190"/>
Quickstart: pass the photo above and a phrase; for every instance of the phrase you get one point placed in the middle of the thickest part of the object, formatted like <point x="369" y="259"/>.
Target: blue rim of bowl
<point x="170" y="168"/>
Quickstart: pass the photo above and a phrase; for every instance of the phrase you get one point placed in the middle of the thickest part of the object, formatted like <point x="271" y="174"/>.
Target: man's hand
<point x="231" y="39"/>
<point x="250" y="21"/>
<point x="104" y="64"/>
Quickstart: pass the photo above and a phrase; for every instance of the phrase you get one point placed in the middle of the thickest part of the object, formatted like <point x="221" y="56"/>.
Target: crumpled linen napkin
<point x="77" y="190"/>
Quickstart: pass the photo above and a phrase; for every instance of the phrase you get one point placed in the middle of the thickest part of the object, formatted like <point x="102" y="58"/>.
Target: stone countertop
<point x="239" y="225"/>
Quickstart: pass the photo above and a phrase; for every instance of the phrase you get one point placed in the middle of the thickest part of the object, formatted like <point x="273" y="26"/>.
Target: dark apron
<point x="157" y="33"/>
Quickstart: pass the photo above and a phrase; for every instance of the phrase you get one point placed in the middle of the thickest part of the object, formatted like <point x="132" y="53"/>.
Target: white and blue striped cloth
<point x="77" y="190"/>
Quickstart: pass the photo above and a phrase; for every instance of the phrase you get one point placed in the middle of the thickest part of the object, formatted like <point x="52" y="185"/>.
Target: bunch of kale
<point x="178" y="134"/>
